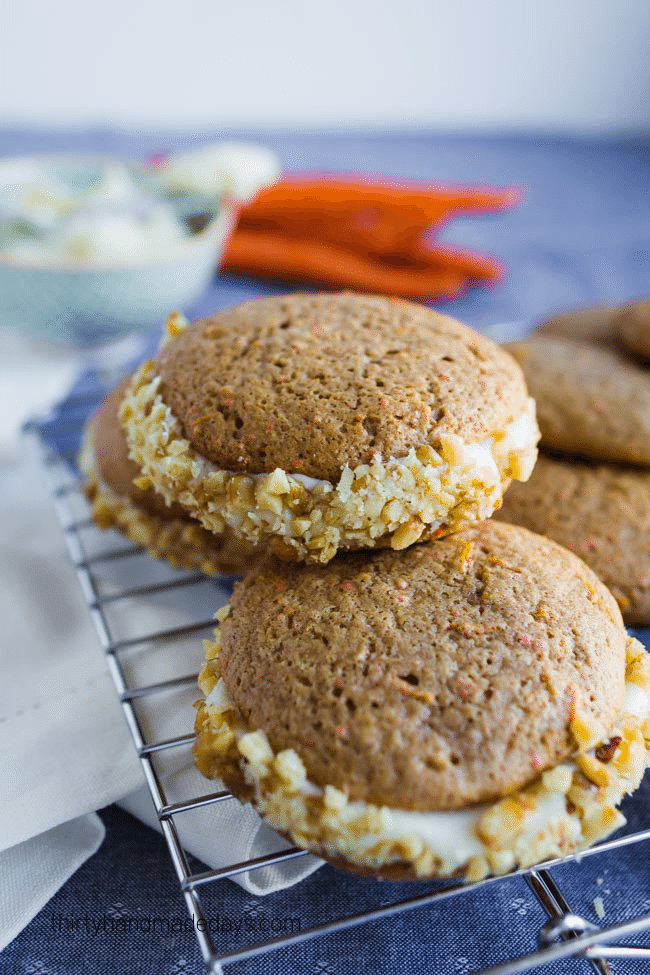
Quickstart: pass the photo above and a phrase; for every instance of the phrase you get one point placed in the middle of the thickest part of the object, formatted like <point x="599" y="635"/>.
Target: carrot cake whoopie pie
<point x="632" y="329"/>
<point x="599" y="511"/>
<point x="467" y="706"/>
<point x="592" y="400"/>
<point x="332" y="421"/>
<point x="166" y="531"/>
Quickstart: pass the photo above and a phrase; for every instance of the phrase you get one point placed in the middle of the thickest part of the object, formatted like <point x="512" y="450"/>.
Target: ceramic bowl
<point x="87" y="303"/>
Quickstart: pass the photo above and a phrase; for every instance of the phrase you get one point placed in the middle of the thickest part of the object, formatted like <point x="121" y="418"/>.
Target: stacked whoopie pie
<point x="399" y="685"/>
<point x="164" y="530"/>
<point x="590" y="491"/>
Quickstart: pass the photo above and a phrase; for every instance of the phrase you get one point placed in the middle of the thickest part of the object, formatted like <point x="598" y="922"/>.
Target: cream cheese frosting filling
<point x="565" y="809"/>
<point x="389" y="502"/>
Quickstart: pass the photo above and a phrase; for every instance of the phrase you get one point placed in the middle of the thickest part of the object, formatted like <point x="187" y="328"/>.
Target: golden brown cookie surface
<point x="591" y="401"/>
<point x="309" y="383"/>
<point x="599" y="511"/>
<point x="430" y="679"/>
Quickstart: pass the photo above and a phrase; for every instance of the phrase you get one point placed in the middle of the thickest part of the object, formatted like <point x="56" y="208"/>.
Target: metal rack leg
<point x="563" y="923"/>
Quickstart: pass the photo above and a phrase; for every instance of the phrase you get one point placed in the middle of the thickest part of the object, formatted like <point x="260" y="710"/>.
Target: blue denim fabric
<point x="582" y="236"/>
<point x="131" y="877"/>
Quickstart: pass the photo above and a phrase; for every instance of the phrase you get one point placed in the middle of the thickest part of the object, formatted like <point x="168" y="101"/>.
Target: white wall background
<point x="543" y="64"/>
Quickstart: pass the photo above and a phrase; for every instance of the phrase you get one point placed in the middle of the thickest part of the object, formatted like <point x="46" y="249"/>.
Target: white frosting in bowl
<point x="100" y="211"/>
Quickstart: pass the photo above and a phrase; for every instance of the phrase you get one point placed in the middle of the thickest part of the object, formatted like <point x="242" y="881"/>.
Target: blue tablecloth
<point x="581" y="237"/>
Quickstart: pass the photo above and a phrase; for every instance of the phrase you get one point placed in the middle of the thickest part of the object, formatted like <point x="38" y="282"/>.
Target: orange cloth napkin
<point x="364" y="235"/>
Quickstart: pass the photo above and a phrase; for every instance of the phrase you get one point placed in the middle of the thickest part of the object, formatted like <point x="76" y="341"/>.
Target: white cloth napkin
<point x="51" y="858"/>
<point x="65" y="750"/>
<point x="33" y="375"/>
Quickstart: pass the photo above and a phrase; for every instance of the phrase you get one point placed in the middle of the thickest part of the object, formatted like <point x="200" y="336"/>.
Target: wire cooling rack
<point x="564" y="936"/>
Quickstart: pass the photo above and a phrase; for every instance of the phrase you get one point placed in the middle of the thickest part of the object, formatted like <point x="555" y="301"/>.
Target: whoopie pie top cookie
<point x="632" y="329"/>
<point x="165" y="531"/>
<point x="440" y="709"/>
<point x="331" y="421"/>
<point x="591" y="401"/>
<point x="599" y="511"/>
